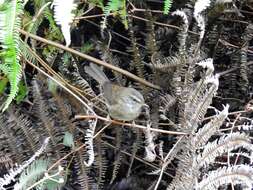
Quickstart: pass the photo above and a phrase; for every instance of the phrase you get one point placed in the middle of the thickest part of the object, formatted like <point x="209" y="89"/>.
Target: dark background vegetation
<point x="48" y="110"/>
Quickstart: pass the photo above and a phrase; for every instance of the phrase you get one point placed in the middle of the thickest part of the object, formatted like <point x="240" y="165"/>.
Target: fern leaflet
<point x="34" y="172"/>
<point x="115" y="6"/>
<point x="9" y="38"/>
<point x="167" y="6"/>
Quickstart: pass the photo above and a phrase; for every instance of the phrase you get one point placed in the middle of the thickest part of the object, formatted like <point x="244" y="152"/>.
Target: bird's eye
<point x="135" y="99"/>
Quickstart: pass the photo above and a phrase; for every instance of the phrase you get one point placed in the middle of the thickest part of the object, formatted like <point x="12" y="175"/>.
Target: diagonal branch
<point x="90" y="58"/>
<point x="129" y="124"/>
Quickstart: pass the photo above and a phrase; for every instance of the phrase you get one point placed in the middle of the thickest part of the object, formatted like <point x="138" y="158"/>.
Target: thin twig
<point x="238" y="21"/>
<point x="90" y="16"/>
<point x="53" y="73"/>
<point x="234" y="46"/>
<point x="59" y="77"/>
<point x="165" y="164"/>
<point x="92" y="59"/>
<point x="162" y="24"/>
<point x="233" y="69"/>
<point x="108" y="144"/>
<point x="115" y="33"/>
<point x="231" y="113"/>
<point x="101" y="130"/>
<point x="135" y="157"/>
<point x="128" y="124"/>
<point x="134" y="9"/>
<point x="64" y="157"/>
<point x="61" y="85"/>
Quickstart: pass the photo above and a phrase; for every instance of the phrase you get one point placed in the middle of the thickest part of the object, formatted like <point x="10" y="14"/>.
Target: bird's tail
<point x="95" y="72"/>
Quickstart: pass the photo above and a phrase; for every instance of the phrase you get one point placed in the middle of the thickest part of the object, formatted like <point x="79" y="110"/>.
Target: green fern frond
<point x="54" y="31"/>
<point x="26" y="52"/>
<point x="9" y="38"/>
<point x="167" y="6"/>
<point x="33" y="22"/>
<point x="115" y="6"/>
<point x="32" y="174"/>
<point x="112" y="5"/>
<point x="123" y="14"/>
<point x="97" y="3"/>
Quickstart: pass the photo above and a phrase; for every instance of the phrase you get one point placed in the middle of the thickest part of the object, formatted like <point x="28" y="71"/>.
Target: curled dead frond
<point x="43" y="114"/>
<point x="225" y="143"/>
<point x="92" y="123"/>
<point x="199" y="7"/>
<point x="239" y="174"/>
<point x="23" y="129"/>
<point x="150" y="37"/>
<point x="182" y="35"/>
<point x="164" y="64"/>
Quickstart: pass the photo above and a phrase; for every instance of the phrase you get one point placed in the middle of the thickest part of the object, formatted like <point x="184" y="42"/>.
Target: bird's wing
<point x="95" y="72"/>
<point x="112" y="93"/>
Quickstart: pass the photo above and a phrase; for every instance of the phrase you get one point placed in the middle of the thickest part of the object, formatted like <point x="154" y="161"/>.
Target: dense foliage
<point x="192" y="62"/>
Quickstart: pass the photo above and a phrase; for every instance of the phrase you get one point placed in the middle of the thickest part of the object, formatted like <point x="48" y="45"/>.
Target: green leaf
<point x="167" y="6"/>
<point x="3" y="84"/>
<point x="52" y="86"/>
<point x="98" y="3"/>
<point x="32" y="174"/>
<point x="22" y="92"/>
<point x="10" y="12"/>
<point x="87" y="47"/>
<point x="68" y="139"/>
<point x="35" y="174"/>
<point x="115" y="6"/>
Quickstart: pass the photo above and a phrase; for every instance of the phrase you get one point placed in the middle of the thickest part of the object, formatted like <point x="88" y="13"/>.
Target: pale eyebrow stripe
<point x="136" y="98"/>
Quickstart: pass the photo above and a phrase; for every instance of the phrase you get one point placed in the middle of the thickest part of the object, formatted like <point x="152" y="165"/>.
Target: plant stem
<point x="92" y="59"/>
<point x="129" y="124"/>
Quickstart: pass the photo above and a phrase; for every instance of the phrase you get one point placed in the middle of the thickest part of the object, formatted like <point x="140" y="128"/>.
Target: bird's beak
<point x="145" y="105"/>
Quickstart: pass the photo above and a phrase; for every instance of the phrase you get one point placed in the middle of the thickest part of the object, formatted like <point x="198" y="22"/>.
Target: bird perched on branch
<point x="123" y="103"/>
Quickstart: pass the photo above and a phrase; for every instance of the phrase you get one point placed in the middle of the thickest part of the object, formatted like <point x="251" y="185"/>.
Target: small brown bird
<point x="123" y="103"/>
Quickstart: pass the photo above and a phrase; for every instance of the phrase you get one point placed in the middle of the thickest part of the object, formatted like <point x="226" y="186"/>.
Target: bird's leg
<point x="108" y="118"/>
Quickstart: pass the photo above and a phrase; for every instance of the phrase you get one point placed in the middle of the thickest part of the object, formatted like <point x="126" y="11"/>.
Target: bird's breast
<point x="126" y="112"/>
